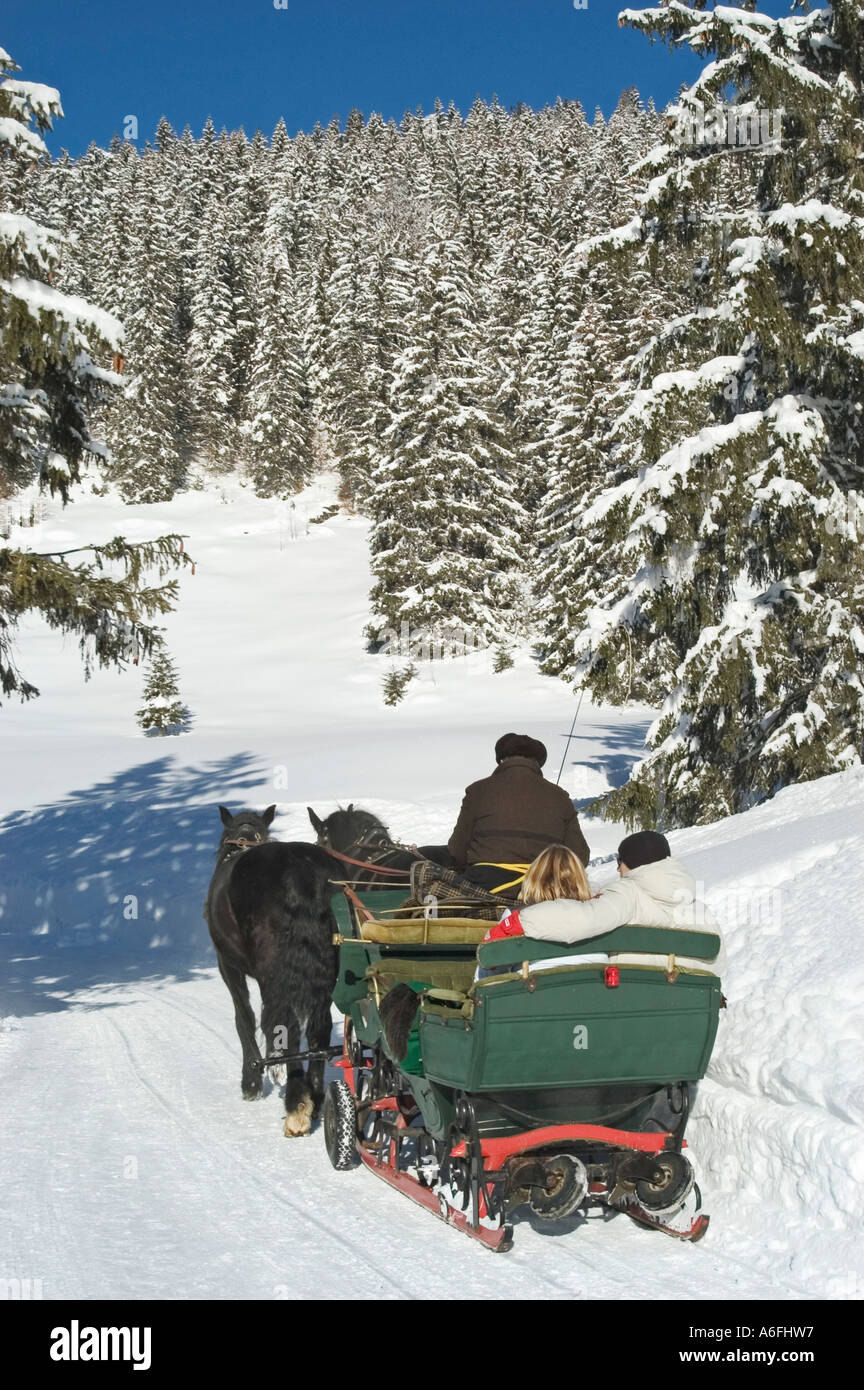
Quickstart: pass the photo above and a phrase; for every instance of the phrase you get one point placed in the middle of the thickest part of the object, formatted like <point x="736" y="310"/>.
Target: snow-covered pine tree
<point x="587" y="456"/>
<point x="396" y="683"/>
<point x="256" y="198"/>
<point x="347" y="400"/>
<point x="447" y="538"/>
<point x="212" y="343"/>
<point x="245" y="239"/>
<point x="49" y="378"/>
<point x="516" y="337"/>
<point x="163" y="711"/>
<point x="276" y="431"/>
<point x="207" y="184"/>
<point x="368" y="336"/>
<point x="579" y="466"/>
<point x="631" y="131"/>
<point x="143" y="428"/>
<point x="740" y="596"/>
<point x="49" y="381"/>
<point x="280" y="144"/>
<point x="102" y="224"/>
<point x="55" y="199"/>
<point x="315" y="286"/>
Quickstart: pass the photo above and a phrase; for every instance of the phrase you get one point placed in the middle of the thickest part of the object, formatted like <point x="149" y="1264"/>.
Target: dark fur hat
<point x="519" y="746"/>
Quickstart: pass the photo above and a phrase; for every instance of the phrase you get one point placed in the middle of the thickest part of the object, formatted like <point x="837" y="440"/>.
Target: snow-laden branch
<point x="71" y="311"/>
<point x="21" y="138"/>
<point x="32" y="99"/>
<point x="40" y="244"/>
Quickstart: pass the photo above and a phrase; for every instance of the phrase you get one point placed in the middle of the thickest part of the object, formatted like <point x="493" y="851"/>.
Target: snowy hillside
<point x="119" y="1065"/>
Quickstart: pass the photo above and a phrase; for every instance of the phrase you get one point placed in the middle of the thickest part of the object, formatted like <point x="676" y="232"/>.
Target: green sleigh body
<point x="542" y="1084"/>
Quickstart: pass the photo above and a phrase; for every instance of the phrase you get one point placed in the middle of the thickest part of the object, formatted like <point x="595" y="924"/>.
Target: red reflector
<point x="612" y="979"/>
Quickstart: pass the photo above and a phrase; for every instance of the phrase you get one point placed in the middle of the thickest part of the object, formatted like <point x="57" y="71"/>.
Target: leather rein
<point x="359" y="864"/>
<point x="244" y="844"/>
<point x="374" y="867"/>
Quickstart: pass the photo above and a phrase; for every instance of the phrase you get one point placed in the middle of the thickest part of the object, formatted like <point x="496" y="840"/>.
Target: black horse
<point x="364" y="837"/>
<point x="268" y="910"/>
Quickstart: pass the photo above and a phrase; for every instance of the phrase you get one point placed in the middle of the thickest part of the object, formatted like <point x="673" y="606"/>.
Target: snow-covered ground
<point x="130" y="1166"/>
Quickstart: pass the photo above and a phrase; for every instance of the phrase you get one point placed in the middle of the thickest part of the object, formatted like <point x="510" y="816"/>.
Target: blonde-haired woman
<point x="556" y="873"/>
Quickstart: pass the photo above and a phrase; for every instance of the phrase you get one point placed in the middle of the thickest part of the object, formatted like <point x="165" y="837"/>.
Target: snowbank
<point x="778" y="1125"/>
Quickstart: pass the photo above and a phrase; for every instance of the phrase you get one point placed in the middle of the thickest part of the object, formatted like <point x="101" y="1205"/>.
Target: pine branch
<point x="110" y="615"/>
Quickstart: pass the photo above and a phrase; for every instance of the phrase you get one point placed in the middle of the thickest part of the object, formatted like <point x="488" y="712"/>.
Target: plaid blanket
<point x="449" y="895"/>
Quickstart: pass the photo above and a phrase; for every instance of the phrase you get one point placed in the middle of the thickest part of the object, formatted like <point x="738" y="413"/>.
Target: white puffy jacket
<point x="654" y="895"/>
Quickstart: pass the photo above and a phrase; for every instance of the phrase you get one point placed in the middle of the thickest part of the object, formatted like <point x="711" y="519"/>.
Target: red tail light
<point x="612" y="977"/>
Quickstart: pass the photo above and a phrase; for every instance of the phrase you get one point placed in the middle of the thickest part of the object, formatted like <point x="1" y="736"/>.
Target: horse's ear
<point x="350" y="805"/>
<point x="267" y="816"/>
<point x="317" y="822"/>
<point x="226" y="815"/>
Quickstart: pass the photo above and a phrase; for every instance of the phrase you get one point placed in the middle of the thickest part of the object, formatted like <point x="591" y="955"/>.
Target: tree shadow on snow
<point x="611" y="751"/>
<point x="107" y="886"/>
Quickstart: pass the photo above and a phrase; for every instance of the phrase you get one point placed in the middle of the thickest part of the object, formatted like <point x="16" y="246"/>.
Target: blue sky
<point x="247" y="63"/>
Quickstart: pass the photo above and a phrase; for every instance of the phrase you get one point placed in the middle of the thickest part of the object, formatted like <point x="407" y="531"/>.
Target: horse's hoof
<point x="299" y="1121"/>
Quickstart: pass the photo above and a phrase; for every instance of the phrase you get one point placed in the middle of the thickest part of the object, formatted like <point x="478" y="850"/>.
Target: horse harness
<point x="241" y="842"/>
<point x="373" y="864"/>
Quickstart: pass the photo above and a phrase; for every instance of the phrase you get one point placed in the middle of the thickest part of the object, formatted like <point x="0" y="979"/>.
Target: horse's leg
<point x="318" y="1031"/>
<point x="244" y="1019"/>
<point x="282" y="1033"/>
<point x="298" y="1102"/>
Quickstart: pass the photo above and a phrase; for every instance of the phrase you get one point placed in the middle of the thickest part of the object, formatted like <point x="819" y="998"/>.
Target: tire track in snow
<point x="677" y="1265"/>
<point x="56" y="1243"/>
<point x="260" y="1179"/>
<point x="158" y="996"/>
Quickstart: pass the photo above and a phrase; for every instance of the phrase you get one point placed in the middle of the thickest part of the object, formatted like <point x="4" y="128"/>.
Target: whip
<point x="569" y="738"/>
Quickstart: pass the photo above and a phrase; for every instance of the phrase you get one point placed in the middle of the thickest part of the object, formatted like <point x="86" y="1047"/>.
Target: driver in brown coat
<point x="508" y="818"/>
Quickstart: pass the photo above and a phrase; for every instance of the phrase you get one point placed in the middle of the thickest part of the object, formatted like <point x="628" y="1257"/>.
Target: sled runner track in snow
<point x="278" y="1193"/>
<point x="158" y="996"/>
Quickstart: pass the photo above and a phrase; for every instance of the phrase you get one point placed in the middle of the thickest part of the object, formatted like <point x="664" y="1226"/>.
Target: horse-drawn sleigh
<point x="559" y="1084"/>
